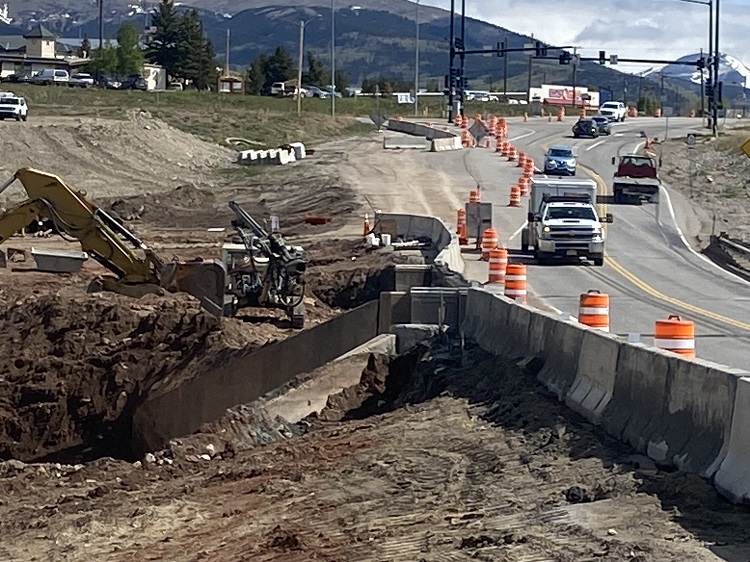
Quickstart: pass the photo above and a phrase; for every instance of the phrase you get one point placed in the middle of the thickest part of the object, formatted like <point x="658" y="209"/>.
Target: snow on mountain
<point x="731" y="71"/>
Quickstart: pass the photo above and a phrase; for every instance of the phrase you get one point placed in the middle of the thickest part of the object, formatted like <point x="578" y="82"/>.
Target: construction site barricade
<point x="490" y="241"/>
<point x="515" y="282"/>
<point x="676" y="335"/>
<point x="593" y="310"/>
<point x="498" y="265"/>
<point x="515" y="196"/>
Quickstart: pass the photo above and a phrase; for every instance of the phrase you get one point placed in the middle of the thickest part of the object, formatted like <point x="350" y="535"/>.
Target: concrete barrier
<point x="445" y="139"/>
<point x="440" y="145"/>
<point x="242" y="376"/>
<point x="693" y="415"/>
<point x="732" y="477"/>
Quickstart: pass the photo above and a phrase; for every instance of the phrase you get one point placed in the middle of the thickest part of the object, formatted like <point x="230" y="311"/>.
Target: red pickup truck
<point x="635" y="179"/>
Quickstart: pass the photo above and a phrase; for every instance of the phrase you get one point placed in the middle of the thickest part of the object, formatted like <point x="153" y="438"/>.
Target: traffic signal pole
<point x="451" y="84"/>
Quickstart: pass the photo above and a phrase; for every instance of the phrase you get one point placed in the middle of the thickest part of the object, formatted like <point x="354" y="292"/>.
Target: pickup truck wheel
<point x="598" y="262"/>
<point x="525" y="241"/>
<point x="24" y="118"/>
<point x="617" y="196"/>
<point x="622" y="119"/>
<point x="18" y="117"/>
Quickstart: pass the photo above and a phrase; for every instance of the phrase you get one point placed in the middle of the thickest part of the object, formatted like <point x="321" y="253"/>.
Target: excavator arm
<point x="104" y="239"/>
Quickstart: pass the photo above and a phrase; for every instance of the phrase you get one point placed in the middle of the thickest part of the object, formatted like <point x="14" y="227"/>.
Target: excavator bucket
<point x="205" y="280"/>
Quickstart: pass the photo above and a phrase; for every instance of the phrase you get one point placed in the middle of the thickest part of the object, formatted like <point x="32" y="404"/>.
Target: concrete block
<point x="486" y="320"/>
<point x="517" y="335"/>
<point x="58" y="261"/>
<point x="732" y="478"/>
<point x="411" y="335"/>
<point x="300" y="151"/>
<point x="395" y="308"/>
<point x="595" y="378"/>
<point x="426" y="303"/>
<point x="412" y="275"/>
<point x="562" y="347"/>
<point x="385" y="344"/>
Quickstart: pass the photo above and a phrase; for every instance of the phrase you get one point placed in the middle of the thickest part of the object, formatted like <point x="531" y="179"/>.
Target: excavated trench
<point x="78" y="369"/>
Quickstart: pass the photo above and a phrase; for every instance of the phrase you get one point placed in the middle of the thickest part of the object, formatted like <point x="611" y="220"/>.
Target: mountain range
<point x="376" y="38"/>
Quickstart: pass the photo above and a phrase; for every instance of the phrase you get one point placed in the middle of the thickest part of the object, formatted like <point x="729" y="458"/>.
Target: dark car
<point x="603" y="123"/>
<point x="586" y="128"/>
<point x="134" y="82"/>
<point x="18" y="78"/>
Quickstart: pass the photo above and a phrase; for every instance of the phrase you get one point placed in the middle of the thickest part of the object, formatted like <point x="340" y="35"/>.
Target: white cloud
<point x="643" y="29"/>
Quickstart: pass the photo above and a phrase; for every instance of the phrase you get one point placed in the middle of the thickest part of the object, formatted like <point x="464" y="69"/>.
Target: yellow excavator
<point x="104" y="239"/>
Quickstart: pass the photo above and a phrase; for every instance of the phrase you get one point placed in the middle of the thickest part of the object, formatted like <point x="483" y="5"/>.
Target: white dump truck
<point x="563" y="220"/>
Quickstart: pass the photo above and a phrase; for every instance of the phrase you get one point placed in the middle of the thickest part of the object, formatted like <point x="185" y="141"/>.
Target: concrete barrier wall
<point x="242" y="376"/>
<point x="693" y="415"/>
<point x="446" y="139"/>
<point x="445" y="250"/>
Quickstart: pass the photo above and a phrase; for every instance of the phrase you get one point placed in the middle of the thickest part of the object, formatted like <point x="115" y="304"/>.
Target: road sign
<point x="379" y="117"/>
<point x="690" y="140"/>
<point x="479" y="130"/>
<point x="668" y="111"/>
<point x="746" y="148"/>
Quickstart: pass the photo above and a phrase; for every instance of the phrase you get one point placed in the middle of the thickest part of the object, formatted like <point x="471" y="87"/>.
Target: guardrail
<point x="732" y="255"/>
<point x="725" y="242"/>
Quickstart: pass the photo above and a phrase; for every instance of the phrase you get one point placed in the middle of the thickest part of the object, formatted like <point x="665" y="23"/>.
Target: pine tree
<point x="256" y="76"/>
<point x="279" y="67"/>
<point x="197" y="53"/>
<point x="317" y="74"/>
<point x="129" y="54"/>
<point x="84" y="51"/>
<point x="164" y="44"/>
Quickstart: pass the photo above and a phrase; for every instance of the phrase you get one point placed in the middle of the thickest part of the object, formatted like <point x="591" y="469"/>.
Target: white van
<point x="51" y="76"/>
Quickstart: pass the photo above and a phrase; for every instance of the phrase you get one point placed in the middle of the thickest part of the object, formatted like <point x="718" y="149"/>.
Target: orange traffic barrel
<point x="515" y="196"/>
<point x="676" y="335"/>
<point x="461" y="228"/>
<point x="593" y="310"/>
<point x="515" y="281"/>
<point x="523" y="184"/>
<point x="474" y="196"/>
<point x="521" y="160"/>
<point x="490" y="241"/>
<point x="498" y="264"/>
<point x="512" y="154"/>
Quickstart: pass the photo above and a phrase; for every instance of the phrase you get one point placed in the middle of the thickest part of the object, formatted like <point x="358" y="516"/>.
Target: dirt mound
<point x="76" y="368"/>
<point x="106" y="157"/>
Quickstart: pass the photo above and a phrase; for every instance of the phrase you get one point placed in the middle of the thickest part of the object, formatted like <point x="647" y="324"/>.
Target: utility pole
<point x="703" y="92"/>
<point x="451" y="58"/>
<point x="416" y="67"/>
<point x="226" y="58"/>
<point x="333" y="59"/>
<point x="101" y="37"/>
<point x="528" y="79"/>
<point x="575" y="76"/>
<point x="300" y="60"/>
<point x="505" y="72"/>
<point x="717" y="56"/>
<point x="463" y="55"/>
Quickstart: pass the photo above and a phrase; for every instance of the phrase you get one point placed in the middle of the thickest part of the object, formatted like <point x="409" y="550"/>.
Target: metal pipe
<point x="505" y="73"/>
<point x="7" y="184"/>
<point x="416" y="68"/>
<point x="463" y="56"/>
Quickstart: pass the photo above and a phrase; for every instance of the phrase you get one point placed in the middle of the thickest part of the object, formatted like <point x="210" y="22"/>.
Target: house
<point x="36" y="50"/>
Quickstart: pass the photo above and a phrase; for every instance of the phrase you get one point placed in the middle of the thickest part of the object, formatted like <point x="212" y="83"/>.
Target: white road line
<point x="687" y="245"/>
<point x="599" y="143"/>
<point x="519" y="137"/>
<point x="517" y="232"/>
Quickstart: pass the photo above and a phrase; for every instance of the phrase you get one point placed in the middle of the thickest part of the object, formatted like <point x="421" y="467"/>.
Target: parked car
<point x="51" y="76"/>
<point x="134" y="82"/>
<point x="278" y="89"/>
<point x="560" y="161"/>
<point x="81" y="80"/>
<point x="18" y="78"/>
<point x="109" y="82"/>
<point x="586" y="128"/>
<point x="13" y="107"/>
<point x="315" y="92"/>
<point x="329" y="90"/>
<point x="602" y="122"/>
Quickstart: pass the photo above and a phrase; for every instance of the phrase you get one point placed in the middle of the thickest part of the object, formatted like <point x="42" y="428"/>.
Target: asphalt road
<point x="649" y="272"/>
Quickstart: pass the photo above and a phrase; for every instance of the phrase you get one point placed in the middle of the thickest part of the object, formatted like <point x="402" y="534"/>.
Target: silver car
<point x="560" y="161"/>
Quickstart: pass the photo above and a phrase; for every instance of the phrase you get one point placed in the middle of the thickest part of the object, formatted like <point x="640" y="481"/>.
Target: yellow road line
<point x="646" y="288"/>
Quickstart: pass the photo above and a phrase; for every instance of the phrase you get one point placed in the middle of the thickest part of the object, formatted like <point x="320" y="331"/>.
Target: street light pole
<point x="416" y="68"/>
<point x="715" y="119"/>
<point x="333" y="59"/>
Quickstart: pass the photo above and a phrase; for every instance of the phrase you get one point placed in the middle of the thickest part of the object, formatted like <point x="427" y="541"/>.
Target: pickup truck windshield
<point x="560" y="152"/>
<point x="9" y="101"/>
<point x="581" y="213"/>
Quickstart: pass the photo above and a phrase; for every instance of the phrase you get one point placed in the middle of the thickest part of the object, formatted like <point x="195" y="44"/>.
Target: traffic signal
<point x="540" y="49"/>
<point x="565" y="58"/>
<point x="701" y="64"/>
<point x="501" y="49"/>
<point x="459" y="44"/>
<point x="602" y="57"/>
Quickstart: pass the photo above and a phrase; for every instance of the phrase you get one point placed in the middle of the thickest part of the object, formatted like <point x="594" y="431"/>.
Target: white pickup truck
<point x="613" y="110"/>
<point x="563" y="221"/>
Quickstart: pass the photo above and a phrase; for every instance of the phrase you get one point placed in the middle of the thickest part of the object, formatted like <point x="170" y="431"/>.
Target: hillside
<point x="372" y="42"/>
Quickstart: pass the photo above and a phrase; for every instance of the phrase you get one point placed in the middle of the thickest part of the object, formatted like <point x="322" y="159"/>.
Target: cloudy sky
<point x="652" y="29"/>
